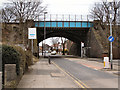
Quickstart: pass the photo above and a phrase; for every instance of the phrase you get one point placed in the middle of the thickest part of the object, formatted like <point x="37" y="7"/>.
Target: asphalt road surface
<point x="89" y="77"/>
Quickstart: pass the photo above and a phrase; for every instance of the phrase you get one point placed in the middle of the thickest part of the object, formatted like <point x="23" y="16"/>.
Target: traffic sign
<point x="111" y="38"/>
<point x="31" y="33"/>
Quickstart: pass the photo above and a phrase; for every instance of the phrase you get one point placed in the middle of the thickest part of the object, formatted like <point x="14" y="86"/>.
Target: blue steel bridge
<point x="65" y="24"/>
<point x="75" y="31"/>
<point x="78" y="21"/>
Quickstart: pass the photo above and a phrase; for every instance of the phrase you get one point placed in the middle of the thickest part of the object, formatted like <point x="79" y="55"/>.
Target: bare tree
<point x="7" y="16"/>
<point x="21" y="11"/>
<point x="101" y="12"/>
<point x="55" y="41"/>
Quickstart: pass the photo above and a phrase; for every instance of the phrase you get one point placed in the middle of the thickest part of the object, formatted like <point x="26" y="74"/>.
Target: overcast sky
<point x="69" y="6"/>
<point x="66" y="6"/>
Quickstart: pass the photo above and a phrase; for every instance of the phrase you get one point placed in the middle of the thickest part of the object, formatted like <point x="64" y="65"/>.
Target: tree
<point x="100" y="12"/>
<point x="7" y="16"/>
<point x="55" y="41"/>
<point x="21" y="11"/>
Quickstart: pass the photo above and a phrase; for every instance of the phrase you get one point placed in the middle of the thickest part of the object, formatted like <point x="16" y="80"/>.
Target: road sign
<point x="111" y="38"/>
<point x="31" y="33"/>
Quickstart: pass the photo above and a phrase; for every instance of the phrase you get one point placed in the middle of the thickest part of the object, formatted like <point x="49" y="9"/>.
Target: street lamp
<point x="44" y="32"/>
<point x="110" y="16"/>
<point x="119" y="11"/>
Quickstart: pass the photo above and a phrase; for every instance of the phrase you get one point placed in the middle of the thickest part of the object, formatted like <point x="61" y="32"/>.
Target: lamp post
<point x="110" y="19"/>
<point x="44" y="32"/>
<point x="119" y="11"/>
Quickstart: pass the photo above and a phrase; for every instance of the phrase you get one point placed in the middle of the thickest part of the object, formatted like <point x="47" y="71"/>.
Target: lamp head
<point x="45" y="12"/>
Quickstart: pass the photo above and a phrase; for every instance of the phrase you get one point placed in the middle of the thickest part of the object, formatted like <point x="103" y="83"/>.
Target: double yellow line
<point x="79" y="82"/>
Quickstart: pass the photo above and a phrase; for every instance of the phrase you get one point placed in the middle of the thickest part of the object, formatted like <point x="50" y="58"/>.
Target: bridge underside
<point x="76" y="35"/>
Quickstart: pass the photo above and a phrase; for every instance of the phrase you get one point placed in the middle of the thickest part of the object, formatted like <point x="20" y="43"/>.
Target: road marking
<point x="80" y="83"/>
<point x="90" y="66"/>
<point x="78" y="80"/>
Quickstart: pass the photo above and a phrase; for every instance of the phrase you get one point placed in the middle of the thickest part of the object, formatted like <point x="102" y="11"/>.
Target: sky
<point x="69" y="6"/>
<point x="79" y="7"/>
<point x="66" y="6"/>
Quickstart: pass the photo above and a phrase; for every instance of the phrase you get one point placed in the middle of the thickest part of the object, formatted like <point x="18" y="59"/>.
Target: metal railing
<point x="65" y="17"/>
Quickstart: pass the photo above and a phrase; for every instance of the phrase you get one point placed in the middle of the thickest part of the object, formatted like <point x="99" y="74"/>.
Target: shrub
<point x="29" y="57"/>
<point x="22" y="58"/>
<point x="10" y="55"/>
<point x="65" y="50"/>
<point x="16" y="55"/>
<point x="25" y="58"/>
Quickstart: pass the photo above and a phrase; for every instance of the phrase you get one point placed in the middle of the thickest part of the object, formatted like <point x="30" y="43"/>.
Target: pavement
<point x="44" y="75"/>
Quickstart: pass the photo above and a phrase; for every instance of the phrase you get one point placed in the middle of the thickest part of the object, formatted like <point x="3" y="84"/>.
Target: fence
<point x="64" y="17"/>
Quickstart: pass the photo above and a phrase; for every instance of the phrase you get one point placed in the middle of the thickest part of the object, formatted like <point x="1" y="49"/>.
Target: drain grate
<point x="57" y="74"/>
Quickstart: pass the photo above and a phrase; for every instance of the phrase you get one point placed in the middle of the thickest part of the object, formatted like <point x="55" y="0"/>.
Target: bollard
<point x="49" y="60"/>
<point x="106" y="63"/>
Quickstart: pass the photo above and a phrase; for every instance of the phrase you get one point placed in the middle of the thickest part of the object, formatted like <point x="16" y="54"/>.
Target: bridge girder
<point x="74" y="34"/>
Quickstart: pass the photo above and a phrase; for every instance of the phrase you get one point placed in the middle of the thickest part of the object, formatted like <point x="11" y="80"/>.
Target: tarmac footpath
<point x="44" y="75"/>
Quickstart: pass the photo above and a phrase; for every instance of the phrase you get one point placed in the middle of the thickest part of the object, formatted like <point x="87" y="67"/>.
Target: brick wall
<point x="75" y="49"/>
<point x="95" y="49"/>
<point x="116" y="53"/>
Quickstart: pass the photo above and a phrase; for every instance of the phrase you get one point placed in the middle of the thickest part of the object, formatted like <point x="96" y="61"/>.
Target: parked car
<point x="46" y="51"/>
<point x="53" y="53"/>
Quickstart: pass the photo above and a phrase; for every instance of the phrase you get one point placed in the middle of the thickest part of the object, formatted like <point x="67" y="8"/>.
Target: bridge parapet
<point x="65" y="17"/>
<point x="74" y="24"/>
<point x="55" y="20"/>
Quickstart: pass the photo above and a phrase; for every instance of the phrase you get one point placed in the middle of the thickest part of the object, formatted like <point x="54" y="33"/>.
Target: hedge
<point x="16" y="55"/>
<point x="10" y="56"/>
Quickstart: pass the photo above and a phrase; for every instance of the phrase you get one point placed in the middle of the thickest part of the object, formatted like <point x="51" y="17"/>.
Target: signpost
<point x="111" y="39"/>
